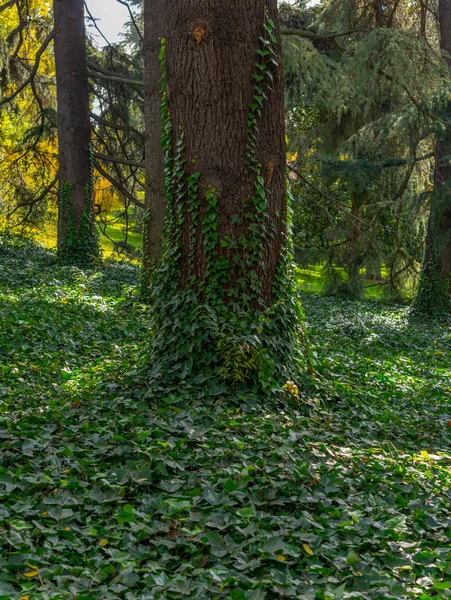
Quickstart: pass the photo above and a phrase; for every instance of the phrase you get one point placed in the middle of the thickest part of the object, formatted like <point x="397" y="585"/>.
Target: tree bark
<point x="434" y="295"/>
<point x="155" y="200"/>
<point x="223" y="301"/>
<point x="211" y="51"/>
<point x="75" y="220"/>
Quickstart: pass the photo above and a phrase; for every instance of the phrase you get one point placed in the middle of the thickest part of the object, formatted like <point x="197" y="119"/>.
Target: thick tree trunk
<point x="434" y="295"/>
<point x="76" y="234"/>
<point x="155" y="24"/>
<point x="223" y="301"/>
<point x="211" y="51"/>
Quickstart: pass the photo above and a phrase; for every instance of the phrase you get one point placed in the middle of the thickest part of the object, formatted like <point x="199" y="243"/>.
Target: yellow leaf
<point x="405" y="568"/>
<point x="281" y="557"/>
<point x="308" y="549"/>
<point x="31" y="574"/>
<point x="25" y="597"/>
<point x="45" y="513"/>
<point x="424" y="454"/>
<point x="103" y="543"/>
<point x="67" y="528"/>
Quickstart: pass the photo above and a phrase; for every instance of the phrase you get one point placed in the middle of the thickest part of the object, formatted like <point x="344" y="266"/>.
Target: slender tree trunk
<point x="76" y="232"/>
<point x="434" y="295"/>
<point x="355" y="284"/>
<point x="155" y="23"/>
<point x="374" y="271"/>
<point x="223" y="283"/>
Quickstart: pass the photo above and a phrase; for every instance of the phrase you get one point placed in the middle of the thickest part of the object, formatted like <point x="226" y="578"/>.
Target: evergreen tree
<point x="362" y="87"/>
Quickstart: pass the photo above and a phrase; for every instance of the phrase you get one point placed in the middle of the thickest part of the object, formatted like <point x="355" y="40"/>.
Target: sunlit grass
<point x="115" y="232"/>
<point x="311" y="279"/>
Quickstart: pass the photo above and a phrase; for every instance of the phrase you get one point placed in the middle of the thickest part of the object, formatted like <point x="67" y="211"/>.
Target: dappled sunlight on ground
<point x="107" y="494"/>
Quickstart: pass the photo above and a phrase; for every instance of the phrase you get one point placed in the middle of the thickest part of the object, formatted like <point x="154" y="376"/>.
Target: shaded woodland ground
<point x="104" y="494"/>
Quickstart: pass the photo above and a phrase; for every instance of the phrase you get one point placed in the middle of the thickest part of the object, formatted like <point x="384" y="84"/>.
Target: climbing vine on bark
<point x="213" y="322"/>
<point x="79" y="243"/>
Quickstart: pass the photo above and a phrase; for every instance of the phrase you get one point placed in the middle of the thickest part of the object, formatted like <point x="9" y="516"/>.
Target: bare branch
<point x="115" y="126"/>
<point x="115" y="79"/>
<point x="94" y="22"/>
<point x="121" y="161"/>
<point x="133" y="20"/>
<point x="7" y="5"/>
<point x="95" y="67"/>
<point x="325" y="37"/>
<point x="34" y="201"/>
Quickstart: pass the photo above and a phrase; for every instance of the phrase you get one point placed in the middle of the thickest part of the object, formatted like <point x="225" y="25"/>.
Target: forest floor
<point x="104" y="495"/>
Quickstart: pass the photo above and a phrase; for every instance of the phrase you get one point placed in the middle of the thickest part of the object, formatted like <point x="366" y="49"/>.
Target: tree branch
<point x="33" y="71"/>
<point x="117" y="185"/>
<point x="325" y="37"/>
<point x="132" y="17"/>
<point x="115" y="79"/>
<point x="111" y="74"/>
<point x="33" y="201"/>
<point x="115" y="126"/>
<point x="7" y="5"/>
<point x="121" y="161"/>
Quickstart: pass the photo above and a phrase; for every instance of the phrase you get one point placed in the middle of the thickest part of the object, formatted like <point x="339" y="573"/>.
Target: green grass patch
<point x="107" y="494"/>
<point x="115" y="232"/>
<point x="311" y="279"/>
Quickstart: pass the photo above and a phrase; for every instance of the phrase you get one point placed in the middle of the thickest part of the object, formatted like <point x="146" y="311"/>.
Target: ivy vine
<point x="209" y="331"/>
<point x="434" y="295"/>
<point x="79" y="245"/>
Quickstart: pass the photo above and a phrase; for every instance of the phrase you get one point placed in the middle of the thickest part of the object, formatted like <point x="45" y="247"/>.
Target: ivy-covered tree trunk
<point x="224" y="302"/>
<point x="77" y="240"/>
<point x="154" y="23"/>
<point x="434" y="294"/>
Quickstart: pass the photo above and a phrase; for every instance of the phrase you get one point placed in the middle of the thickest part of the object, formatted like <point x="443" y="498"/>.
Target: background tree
<point x="434" y="295"/>
<point x="28" y="162"/>
<point x="155" y="22"/>
<point x="117" y="121"/>
<point x="359" y="103"/>
<point x="77" y="240"/>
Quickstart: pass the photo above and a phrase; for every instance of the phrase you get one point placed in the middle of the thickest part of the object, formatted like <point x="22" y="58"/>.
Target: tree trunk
<point x="374" y="270"/>
<point x="210" y="64"/>
<point x="355" y="287"/>
<point x="224" y="271"/>
<point x="77" y="242"/>
<point x="154" y="23"/>
<point x="434" y="295"/>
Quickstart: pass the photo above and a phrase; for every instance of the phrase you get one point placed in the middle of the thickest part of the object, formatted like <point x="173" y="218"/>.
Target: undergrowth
<point x="106" y="495"/>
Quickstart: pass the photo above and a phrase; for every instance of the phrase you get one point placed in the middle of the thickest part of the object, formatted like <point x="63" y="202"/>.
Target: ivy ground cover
<point x="107" y="495"/>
